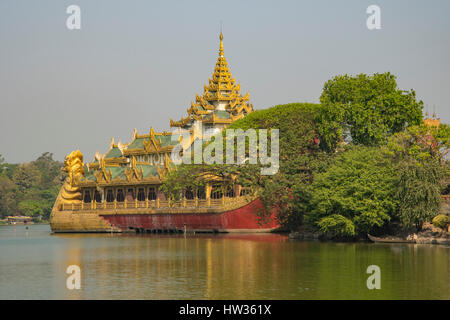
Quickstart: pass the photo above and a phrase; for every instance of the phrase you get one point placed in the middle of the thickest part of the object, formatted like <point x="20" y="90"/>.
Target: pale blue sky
<point x="135" y="64"/>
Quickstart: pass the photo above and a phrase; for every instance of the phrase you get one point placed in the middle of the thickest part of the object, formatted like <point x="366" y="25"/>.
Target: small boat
<point x="390" y="239"/>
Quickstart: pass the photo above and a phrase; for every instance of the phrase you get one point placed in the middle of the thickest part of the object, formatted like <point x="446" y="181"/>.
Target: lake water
<point x="33" y="265"/>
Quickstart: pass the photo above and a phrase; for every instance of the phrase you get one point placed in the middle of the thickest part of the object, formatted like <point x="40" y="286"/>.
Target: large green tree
<point x="31" y="208"/>
<point x="30" y="188"/>
<point x="27" y="176"/>
<point x="354" y="195"/>
<point x="8" y="197"/>
<point x="366" y="108"/>
<point x="418" y="154"/>
<point x="419" y="192"/>
<point x="50" y="169"/>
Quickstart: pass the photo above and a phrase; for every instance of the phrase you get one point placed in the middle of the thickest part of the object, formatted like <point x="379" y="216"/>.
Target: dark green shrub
<point x="336" y="225"/>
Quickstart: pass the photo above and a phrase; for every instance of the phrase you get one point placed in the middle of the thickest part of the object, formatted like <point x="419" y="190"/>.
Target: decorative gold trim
<point x="134" y="174"/>
<point x="103" y="175"/>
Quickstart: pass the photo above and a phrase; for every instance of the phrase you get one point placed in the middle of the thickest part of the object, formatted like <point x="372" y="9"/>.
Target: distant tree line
<point x="30" y="188"/>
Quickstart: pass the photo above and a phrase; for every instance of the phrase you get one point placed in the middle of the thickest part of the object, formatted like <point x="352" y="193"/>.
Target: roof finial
<point x="221" y="41"/>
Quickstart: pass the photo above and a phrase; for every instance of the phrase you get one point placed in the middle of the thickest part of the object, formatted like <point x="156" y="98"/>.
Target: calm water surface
<point x="33" y="264"/>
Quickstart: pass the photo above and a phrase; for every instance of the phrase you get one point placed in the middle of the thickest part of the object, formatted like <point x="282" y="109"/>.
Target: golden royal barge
<point x="119" y="190"/>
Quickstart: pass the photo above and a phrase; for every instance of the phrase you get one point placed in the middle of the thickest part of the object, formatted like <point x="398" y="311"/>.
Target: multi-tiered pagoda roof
<point x="221" y="102"/>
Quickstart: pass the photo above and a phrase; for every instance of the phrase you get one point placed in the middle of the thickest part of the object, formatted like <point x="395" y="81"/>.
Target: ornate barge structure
<point x="119" y="190"/>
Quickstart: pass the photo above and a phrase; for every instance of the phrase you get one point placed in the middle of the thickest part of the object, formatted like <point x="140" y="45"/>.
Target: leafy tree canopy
<point x="30" y="188"/>
<point x="355" y="194"/>
<point x="418" y="154"/>
<point x="366" y="108"/>
<point x="31" y="208"/>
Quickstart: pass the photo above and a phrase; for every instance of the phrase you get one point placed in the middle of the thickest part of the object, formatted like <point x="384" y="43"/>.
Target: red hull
<point x="243" y="219"/>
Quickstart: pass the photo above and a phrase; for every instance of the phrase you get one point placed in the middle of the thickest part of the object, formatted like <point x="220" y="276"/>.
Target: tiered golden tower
<point x="221" y="102"/>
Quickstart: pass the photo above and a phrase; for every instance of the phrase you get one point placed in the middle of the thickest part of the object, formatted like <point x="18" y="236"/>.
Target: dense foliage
<point x="30" y="188"/>
<point x="418" y="154"/>
<point x="355" y="194"/>
<point x="366" y="109"/>
<point x="366" y="187"/>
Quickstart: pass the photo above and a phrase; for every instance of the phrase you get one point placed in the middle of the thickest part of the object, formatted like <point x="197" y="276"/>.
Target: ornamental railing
<point x="154" y="204"/>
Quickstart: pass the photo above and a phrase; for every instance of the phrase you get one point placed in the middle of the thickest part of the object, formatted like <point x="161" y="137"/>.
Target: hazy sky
<point x="135" y="64"/>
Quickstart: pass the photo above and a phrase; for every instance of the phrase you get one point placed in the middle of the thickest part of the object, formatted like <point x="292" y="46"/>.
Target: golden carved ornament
<point x="133" y="173"/>
<point x="103" y="175"/>
<point x="73" y="165"/>
<point x="165" y="167"/>
<point x="152" y="144"/>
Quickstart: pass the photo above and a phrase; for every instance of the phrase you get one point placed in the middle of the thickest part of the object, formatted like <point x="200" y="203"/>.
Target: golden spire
<point x="220" y="94"/>
<point x="221" y="45"/>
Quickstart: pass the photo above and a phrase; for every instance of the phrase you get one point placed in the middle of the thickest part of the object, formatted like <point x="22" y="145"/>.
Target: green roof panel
<point x="113" y="153"/>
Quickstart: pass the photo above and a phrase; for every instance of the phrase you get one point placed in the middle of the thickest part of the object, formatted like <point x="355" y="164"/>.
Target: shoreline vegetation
<point x="4" y="222"/>
<point x="30" y="188"/>
<point x="363" y="161"/>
